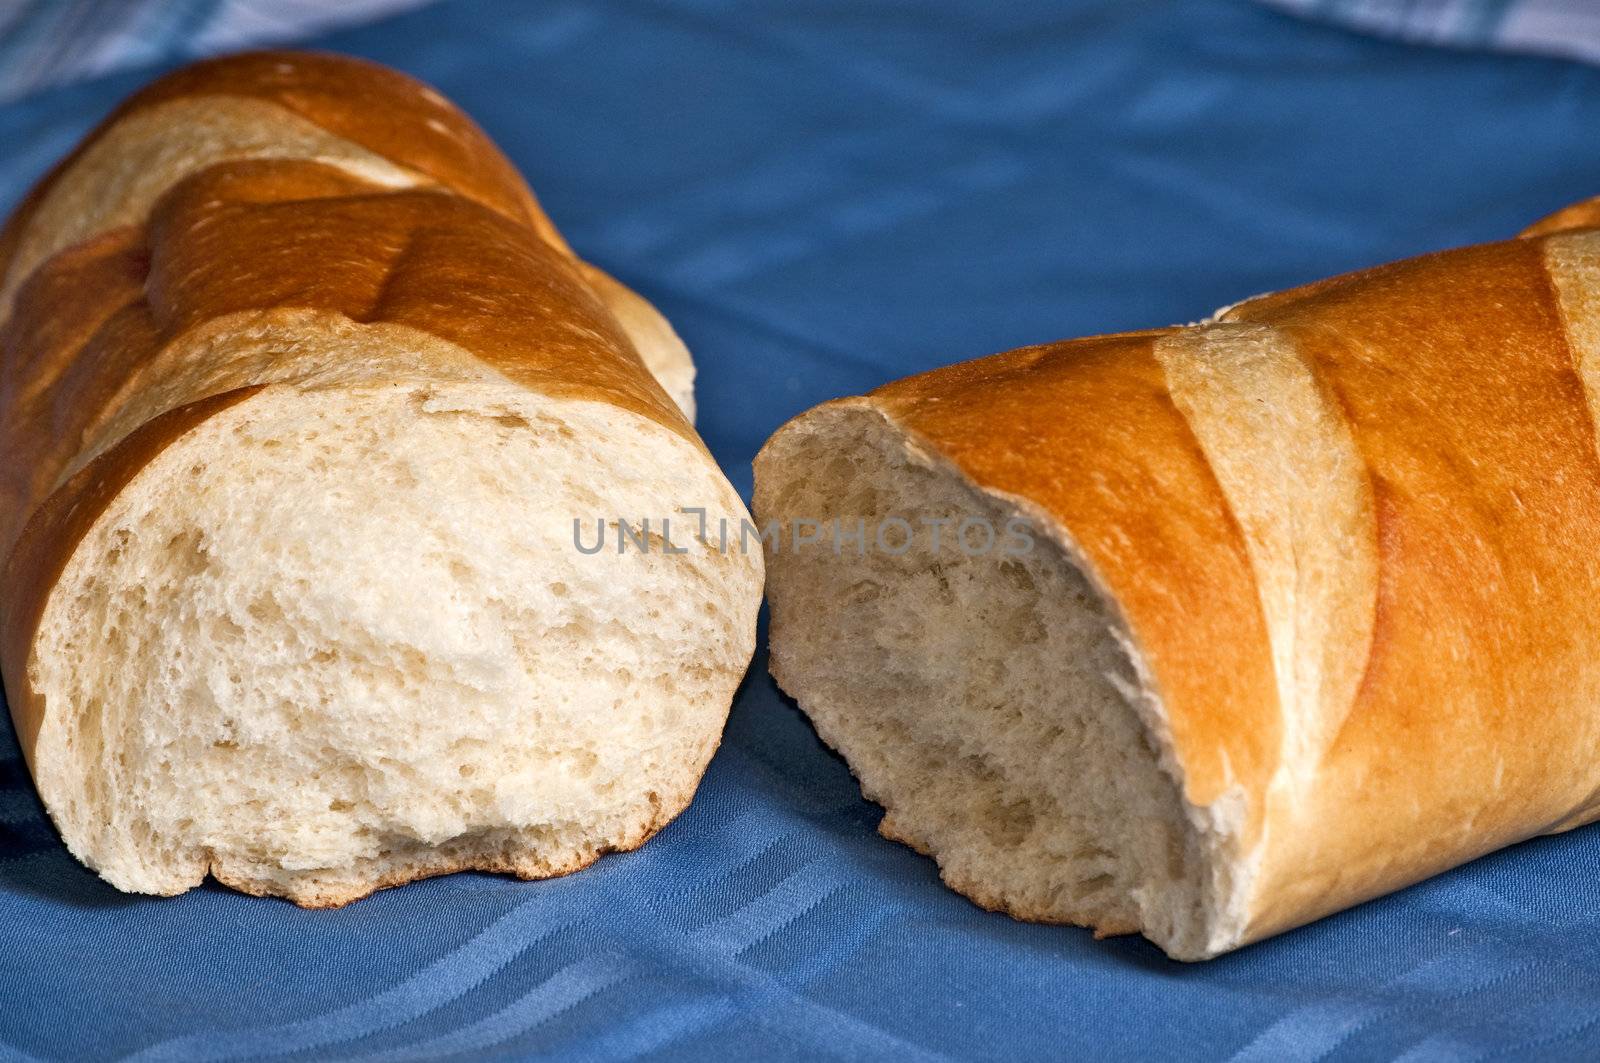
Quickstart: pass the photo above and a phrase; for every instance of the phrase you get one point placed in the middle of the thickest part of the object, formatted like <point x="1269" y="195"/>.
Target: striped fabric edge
<point x="1567" y="29"/>
<point x="46" y="43"/>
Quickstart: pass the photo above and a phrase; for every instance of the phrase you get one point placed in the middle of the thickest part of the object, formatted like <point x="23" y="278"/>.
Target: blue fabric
<point x="822" y="198"/>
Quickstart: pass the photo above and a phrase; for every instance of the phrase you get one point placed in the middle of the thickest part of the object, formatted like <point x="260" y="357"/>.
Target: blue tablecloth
<point x="822" y="198"/>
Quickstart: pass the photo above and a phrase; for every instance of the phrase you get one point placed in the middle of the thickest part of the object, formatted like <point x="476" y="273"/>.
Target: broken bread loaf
<point x="302" y="402"/>
<point x="1304" y="610"/>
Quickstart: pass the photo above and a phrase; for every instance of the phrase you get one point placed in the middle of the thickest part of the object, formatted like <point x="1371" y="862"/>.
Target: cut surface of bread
<point x="330" y="640"/>
<point x="1309" y="615"/>
<point x="310" y="423"/>
<point x="979" y="687"/>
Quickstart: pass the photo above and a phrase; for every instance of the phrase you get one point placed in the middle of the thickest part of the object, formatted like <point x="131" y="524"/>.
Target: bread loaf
<point x="1298" y="605"/>
<point x="303" y="402"/>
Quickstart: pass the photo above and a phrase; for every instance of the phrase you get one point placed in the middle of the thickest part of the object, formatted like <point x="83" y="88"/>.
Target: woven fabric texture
<point x="822" y="197"/>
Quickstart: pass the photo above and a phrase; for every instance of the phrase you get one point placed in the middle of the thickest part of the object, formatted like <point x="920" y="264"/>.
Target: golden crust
<point x="1153" y="524"/>
<point x="255" y="237"/>
<point x="1470" y="716"/>
<point x="108" y="328"/>
<point x="1456" y="377"/>
<point x="120" y="341"/>
<point x="369" y="105"/>
<point x="1584" y="214"/>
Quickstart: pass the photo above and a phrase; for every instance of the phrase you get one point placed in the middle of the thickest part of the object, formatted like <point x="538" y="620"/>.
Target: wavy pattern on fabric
<point x="823" y="197"/>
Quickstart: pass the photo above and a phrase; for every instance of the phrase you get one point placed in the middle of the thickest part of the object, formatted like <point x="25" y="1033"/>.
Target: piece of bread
<point x="1298" y="608"/>
<point x="307" y="416"/>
